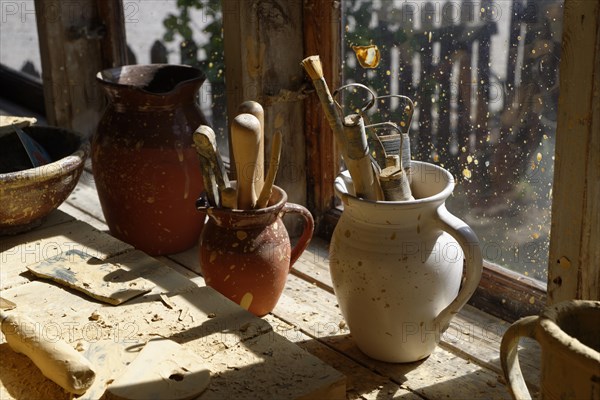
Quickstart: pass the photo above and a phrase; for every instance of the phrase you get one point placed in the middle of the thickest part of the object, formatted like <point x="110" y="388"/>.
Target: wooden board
<point x="322" y="35"/>
<point x="442" y="374"/>
<point x="574" y="272"/>
<point x="42" y="244"/>
<point x="471" y="344"/>
<point x="73" y="99"/>
<point x="239" y="348"/>
<point x="361" y="382"/>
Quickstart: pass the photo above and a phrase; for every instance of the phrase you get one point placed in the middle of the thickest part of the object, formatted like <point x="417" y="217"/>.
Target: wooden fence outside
<point x="445" y="67"/>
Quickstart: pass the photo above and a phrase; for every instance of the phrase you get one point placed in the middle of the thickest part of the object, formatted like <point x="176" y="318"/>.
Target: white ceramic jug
<point x="397" y="266"/>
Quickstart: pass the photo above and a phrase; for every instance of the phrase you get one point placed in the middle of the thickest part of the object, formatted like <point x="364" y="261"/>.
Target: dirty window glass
<point x="183" y="32"/>
<point x="484" y="79"/>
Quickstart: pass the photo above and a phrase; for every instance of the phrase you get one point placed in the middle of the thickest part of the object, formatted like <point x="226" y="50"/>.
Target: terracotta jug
<point x="147" y="173"/>
<point x="246" y="254"/>
<point x="569" y="336"/>
<point x="397" y="266"/>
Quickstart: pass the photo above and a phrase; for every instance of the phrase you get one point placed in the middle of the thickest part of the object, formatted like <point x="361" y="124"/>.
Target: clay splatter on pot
<point x="246" y="255"/>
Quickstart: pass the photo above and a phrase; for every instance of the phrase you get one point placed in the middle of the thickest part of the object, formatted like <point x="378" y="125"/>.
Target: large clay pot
<point x="246" y="254"/>
<point x="569" y="336"/>
<point x="147" y="172"/>
<point x="397" y="266"/>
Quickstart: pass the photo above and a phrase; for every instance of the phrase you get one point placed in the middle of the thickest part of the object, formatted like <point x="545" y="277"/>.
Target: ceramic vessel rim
<point x="568" y="344"/>
<point x="100" y="76"/>
<point x="266" y="210"/>
<point x="58" y="168"/>
<point x="439" y="197"/>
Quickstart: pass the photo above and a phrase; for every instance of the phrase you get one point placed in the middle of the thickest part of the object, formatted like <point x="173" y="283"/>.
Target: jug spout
<point x="157" y="84"/>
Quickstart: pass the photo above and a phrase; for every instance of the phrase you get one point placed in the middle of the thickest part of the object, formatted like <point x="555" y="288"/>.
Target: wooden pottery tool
<point x="211" y="164"/>
<point x="229" y="198"/>
<point x="403" y="127"/>
<point x="245" y="139"/>
<point x="105" y="281"/>
<point x="57" y="360"/>
<point x="395" y="177"/>
<point x="393" y="180"/>
<point x="314" y="69"/>
<point x="265" y="193"/>
<point x="163" y="370"/>
<point x="254" y="108"/>
<point x="363" y="171"/>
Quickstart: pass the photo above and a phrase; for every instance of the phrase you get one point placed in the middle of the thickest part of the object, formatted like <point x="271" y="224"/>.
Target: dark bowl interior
<point x="58" y="144"/>
<point x="29" y="194"/>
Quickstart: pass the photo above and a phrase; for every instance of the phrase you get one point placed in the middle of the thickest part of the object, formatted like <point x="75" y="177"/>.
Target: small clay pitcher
<point x="147" y="172"/>
<point x="569" y="336"/>
<point x="246" y="254"/>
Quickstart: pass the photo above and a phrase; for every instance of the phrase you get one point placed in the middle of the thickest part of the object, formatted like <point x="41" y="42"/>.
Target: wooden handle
<point x="206" y="145"/>
<point x="254" y="108"/>
<point x="57" y="360"/>
<point x="213" y="170"/>
<point x="245" y="138"/>
<point x="357" y="159"/>
<point x="229" y="198"/>
<point x="265" y="193"/>
<point x="394" y="184"/>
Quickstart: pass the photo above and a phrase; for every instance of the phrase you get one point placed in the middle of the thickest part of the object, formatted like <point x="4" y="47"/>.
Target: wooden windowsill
<point x="465" y="364"/>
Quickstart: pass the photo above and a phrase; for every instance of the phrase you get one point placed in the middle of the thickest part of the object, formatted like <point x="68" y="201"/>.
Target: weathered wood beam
<point x="263" y="50"/>
<point x="574" y="263"/>
<point x="77" y="39"/>
<point x="322" y="36"/>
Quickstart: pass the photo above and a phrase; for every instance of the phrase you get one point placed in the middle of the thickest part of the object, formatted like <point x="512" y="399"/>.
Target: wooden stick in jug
<point x="206" y="143"/>
<point x="213" y="170"/>
<point x="361" y="170"/>
<point x="254" y="108"/>
<point x="229" y="198"/>
<point x="357" y="159"/>
<point x="245" y="138"/>
<point x="394" y="180"/>
<point x="265" y="194"/>
<point x="313" y="67"/>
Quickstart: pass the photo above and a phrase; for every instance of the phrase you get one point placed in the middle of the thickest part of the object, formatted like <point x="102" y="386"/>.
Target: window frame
<point x="503" y="293"/>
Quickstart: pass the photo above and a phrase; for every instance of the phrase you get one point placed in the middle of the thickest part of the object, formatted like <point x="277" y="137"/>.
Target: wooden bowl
<point x="27" y="195"/>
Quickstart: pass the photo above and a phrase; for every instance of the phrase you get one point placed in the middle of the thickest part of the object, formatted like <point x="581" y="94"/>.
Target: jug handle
<point x="468" y="241"/>
<point x="525" y="327"/>
<point x="309" y="226"/>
